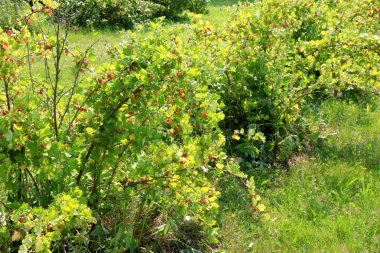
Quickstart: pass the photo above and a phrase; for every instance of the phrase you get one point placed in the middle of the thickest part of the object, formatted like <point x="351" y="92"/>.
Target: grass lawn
<point x="217" y="10"/>
<point x="328" y="200"/>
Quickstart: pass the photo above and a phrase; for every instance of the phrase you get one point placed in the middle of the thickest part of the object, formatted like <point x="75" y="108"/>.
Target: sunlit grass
<point x="327" y="201"/>
<point x="218" y="10"/>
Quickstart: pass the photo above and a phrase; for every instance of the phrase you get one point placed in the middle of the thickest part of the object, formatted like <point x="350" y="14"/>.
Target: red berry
<point x="168" y="172"/>
<point x="255" y="209"/>
<point x="110" y="75"/>
<point x="101" y="80"/>
<point x="181" y="92"/>
<point x="25" y="39"/>
<point x="81" y="70"/>
<point x="4" y="113"/>
<point x="204" y="115"/>
<point x="179" y="74"/>
<point x="169" y="181"/>
<point x="20" y="219"/>
<point x="10" y="32"/>
<point x="5" y="44"/>
<point x="86" y="62"/>
<point x="208" y="32"/>
<point x="169" y="121"/>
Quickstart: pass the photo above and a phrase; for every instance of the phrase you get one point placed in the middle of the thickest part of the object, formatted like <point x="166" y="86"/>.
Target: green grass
<point x="327" y="201"/>
<point x="217" y="10"/>
<point x="99" y="40"/>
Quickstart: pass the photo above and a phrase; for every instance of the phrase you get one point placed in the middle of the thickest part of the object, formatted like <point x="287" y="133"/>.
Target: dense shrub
<point x="126" y="13"/>
<point x="119" y="154"/>
<point x="100" y="13"/>
<point x="274" y="56"/>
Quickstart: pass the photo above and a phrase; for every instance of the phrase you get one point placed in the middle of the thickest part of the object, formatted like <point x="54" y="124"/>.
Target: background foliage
<point x="126" y="13"/>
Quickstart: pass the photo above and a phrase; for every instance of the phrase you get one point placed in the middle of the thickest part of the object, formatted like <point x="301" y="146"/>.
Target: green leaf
<point x="315" y="136"/>
<point x="90" y="130"/>
<point x="8" y="135"/>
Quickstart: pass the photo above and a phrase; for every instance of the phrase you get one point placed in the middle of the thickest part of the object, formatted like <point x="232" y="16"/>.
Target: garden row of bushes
<point x="130" y="155"/>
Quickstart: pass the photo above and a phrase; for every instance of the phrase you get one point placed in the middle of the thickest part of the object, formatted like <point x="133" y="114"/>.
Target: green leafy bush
<point x="139" y="139"/>
<point x="100" y="13"/>
<point x="274" y="56"/>
<point x="126" y="13"/>
<point x="40" y="229"/>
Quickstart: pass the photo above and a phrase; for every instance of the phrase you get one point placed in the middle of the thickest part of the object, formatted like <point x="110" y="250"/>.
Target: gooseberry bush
<point x="116" y="155"/>
<point x="107" y="13"/>
<point x="274" y="57"/>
